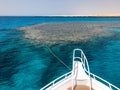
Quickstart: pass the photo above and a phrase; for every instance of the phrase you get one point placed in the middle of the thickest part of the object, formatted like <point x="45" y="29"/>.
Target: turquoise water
<point x="27" y="66"/>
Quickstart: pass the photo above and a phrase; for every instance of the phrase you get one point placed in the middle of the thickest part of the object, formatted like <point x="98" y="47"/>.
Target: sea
<point x="30" y="66"/>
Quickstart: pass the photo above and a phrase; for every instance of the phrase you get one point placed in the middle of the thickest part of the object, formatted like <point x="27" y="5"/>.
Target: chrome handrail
<point x="52" y="83"/>
<point x="84" y="62"/>
<point x="85" y="65"/>
<point x="108" y="83"/>
<point x="91" y="75"/>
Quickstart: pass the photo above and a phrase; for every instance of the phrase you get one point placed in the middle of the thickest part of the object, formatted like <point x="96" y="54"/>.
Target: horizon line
<point x="64" y="15"/>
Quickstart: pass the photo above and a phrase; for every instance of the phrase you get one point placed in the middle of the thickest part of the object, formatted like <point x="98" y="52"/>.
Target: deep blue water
<point x="12" y="21"/>
<point x="27" y="66"/>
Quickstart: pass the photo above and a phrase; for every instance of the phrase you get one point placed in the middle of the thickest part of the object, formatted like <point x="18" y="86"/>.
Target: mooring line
<point x="57" y="57"/>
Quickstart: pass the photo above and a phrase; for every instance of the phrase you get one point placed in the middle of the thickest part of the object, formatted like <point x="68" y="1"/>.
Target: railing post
<point x="52" y="84"/>
<point x="110" y="86"/>
<point x="94" y="77"/>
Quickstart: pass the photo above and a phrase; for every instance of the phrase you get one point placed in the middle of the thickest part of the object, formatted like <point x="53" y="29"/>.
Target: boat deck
<point x="79" y="78"/>
<point x="80" y="87"/>
<point x="80" y="81"/>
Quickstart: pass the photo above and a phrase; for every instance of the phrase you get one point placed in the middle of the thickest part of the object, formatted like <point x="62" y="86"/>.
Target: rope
<point x="57" y="58"/>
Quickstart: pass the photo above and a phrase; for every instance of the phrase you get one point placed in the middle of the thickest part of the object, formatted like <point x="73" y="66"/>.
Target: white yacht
<point x="80" y="77"/>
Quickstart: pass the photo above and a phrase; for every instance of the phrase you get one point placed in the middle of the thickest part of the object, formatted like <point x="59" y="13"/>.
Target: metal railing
<point x="111" y="86"/>
<point x="85" y="65"/>
<point x="82" y="58"/>
<point x="61" y="78"/>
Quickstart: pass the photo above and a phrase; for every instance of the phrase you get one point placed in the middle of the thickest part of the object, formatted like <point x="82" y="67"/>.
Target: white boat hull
<point x="79" y="76"/>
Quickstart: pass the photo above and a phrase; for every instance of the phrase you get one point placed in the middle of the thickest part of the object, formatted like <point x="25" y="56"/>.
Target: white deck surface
<point x="81" y="79"/>
<point x="79" y="76"/>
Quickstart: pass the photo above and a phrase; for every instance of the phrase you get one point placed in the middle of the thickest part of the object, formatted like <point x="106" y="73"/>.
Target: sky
<point x="58" y="7"/>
